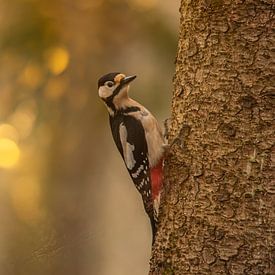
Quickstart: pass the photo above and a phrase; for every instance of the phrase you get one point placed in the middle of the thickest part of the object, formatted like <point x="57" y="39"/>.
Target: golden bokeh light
<point x="9" y="153"/>
<point x="8" y="131"/>
<point x="31" y="76"/>
<point x="23" y="118"/>
<point x="25" y="197"/>
<point x="57" y="59"/>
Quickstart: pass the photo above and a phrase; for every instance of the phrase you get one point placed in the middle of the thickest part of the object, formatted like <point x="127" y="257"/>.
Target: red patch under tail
<point x="157" y="178"/>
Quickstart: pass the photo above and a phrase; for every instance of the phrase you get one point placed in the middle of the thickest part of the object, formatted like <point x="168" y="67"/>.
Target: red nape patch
<point x="157" y="179"/>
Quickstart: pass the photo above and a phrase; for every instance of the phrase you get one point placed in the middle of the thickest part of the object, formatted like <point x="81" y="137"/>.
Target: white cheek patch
<point x="128" y="148"/>
<point x="104" y="92"/>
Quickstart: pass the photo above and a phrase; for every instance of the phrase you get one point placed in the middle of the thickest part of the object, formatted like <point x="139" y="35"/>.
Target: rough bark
<point x="217" y="212"/>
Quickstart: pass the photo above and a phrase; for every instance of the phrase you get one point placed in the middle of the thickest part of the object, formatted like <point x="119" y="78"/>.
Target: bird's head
<point x="114" y="85"/>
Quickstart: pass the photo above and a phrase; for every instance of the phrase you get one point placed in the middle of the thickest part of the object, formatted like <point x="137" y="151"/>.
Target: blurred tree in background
<point x="67" y="205"/>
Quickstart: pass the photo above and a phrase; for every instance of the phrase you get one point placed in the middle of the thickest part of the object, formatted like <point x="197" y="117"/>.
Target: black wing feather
<point x="140" y="173"/>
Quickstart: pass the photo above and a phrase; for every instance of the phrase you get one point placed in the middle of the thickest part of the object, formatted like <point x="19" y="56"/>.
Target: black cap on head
<point x="107" y="77"/>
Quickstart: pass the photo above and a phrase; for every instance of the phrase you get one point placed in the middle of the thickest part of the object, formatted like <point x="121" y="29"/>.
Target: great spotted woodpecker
<point x="138" y="138"/>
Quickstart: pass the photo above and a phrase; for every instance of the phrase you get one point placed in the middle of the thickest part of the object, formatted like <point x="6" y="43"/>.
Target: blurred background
<point x="67" y="204"/>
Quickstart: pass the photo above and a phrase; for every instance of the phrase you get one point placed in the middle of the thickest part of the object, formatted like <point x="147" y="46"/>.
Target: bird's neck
<point x="121" y="101"/>
<point x="123" y="105"/>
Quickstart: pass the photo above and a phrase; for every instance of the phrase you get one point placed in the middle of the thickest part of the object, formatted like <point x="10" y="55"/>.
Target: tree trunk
<point x="216" y="212"/>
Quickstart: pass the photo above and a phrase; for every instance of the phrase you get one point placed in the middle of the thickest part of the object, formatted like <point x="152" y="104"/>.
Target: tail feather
<point x="154" y="228"/>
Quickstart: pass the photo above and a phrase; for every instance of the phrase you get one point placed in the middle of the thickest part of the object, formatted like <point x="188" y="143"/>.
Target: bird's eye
<point x="110" y="84"/>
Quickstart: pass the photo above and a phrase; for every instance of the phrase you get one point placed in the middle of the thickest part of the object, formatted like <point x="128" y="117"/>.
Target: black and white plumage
<point x="138" y="138"/>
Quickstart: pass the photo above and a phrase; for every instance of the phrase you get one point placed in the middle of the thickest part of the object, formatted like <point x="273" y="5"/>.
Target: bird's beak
<point x="128" y="79"/>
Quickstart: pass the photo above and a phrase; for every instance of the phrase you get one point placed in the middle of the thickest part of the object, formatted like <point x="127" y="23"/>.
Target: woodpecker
<point x="138" y="138"/>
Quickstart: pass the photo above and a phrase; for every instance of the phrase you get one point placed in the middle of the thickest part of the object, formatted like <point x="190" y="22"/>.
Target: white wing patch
<point x="128" y="148"/>
<point x="136" y="174"/>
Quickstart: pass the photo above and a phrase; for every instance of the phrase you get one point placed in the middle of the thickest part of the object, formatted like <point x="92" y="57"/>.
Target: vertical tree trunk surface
<point x="217" y="212"/>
